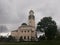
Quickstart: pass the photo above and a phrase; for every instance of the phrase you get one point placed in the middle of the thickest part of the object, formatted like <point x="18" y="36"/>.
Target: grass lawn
<point x="54" y="42"/>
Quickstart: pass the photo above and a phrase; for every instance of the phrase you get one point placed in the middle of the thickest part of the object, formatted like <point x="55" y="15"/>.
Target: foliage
<point x="7" y="39"/>
<point x="3" y="39"/>
<point x="41" y="38"/>
<point x="11" y="39"/>
<point x="58" y="36"/>
<point x="48" y="26"/>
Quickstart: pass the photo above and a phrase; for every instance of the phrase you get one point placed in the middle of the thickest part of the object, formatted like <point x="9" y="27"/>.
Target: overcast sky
<point x="15" y="12"/>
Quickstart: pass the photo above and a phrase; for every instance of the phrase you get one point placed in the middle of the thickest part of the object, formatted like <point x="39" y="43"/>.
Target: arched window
<point x="22" y="31"/>
<point x="32" y="31"/>
<point x="28" y="37"/>
<point x="21" y="38"/>
<point x="25" y="31"/>
<point x="28" y="30"/>
<point x="24" y="37"/>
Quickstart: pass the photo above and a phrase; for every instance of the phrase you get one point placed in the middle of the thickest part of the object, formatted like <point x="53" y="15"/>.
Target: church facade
<point x="26" y="31"/>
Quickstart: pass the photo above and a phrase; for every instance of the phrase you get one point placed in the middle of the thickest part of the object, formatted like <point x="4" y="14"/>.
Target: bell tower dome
<point x="31" y="18"/>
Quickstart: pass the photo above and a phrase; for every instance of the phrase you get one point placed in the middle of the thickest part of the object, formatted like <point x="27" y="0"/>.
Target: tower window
<point x="31" y="17"/>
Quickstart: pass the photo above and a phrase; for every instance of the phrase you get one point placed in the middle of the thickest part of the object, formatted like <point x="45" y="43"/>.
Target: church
<point x="26" y="31"/>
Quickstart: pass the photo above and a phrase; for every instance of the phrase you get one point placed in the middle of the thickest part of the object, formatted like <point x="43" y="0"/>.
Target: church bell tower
<point x="31" y="18"/>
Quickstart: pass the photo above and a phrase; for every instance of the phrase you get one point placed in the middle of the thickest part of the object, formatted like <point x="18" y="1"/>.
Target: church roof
<point x="15" y="31"/>
<point x="26" y="26"/>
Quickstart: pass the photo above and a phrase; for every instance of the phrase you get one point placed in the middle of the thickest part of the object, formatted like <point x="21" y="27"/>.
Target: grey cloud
<point x="3" y="29"/>
<point x="16" y="11"/>
<point x="8" y="13"/>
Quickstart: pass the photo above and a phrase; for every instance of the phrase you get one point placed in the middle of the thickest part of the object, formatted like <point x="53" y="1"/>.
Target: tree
<point x="11" y="39"/>
<point x="41" y="38"/>
<point x="3" y="39"/>
<point x="48" y="26"/>
<point x="58" y="35"/>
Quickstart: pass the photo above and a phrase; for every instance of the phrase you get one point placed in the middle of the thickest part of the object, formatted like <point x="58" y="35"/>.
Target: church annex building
<point x="26" y="31"/>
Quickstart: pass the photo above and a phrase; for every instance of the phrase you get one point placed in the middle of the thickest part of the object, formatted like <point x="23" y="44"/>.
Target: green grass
<point x="54" y="42"/>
